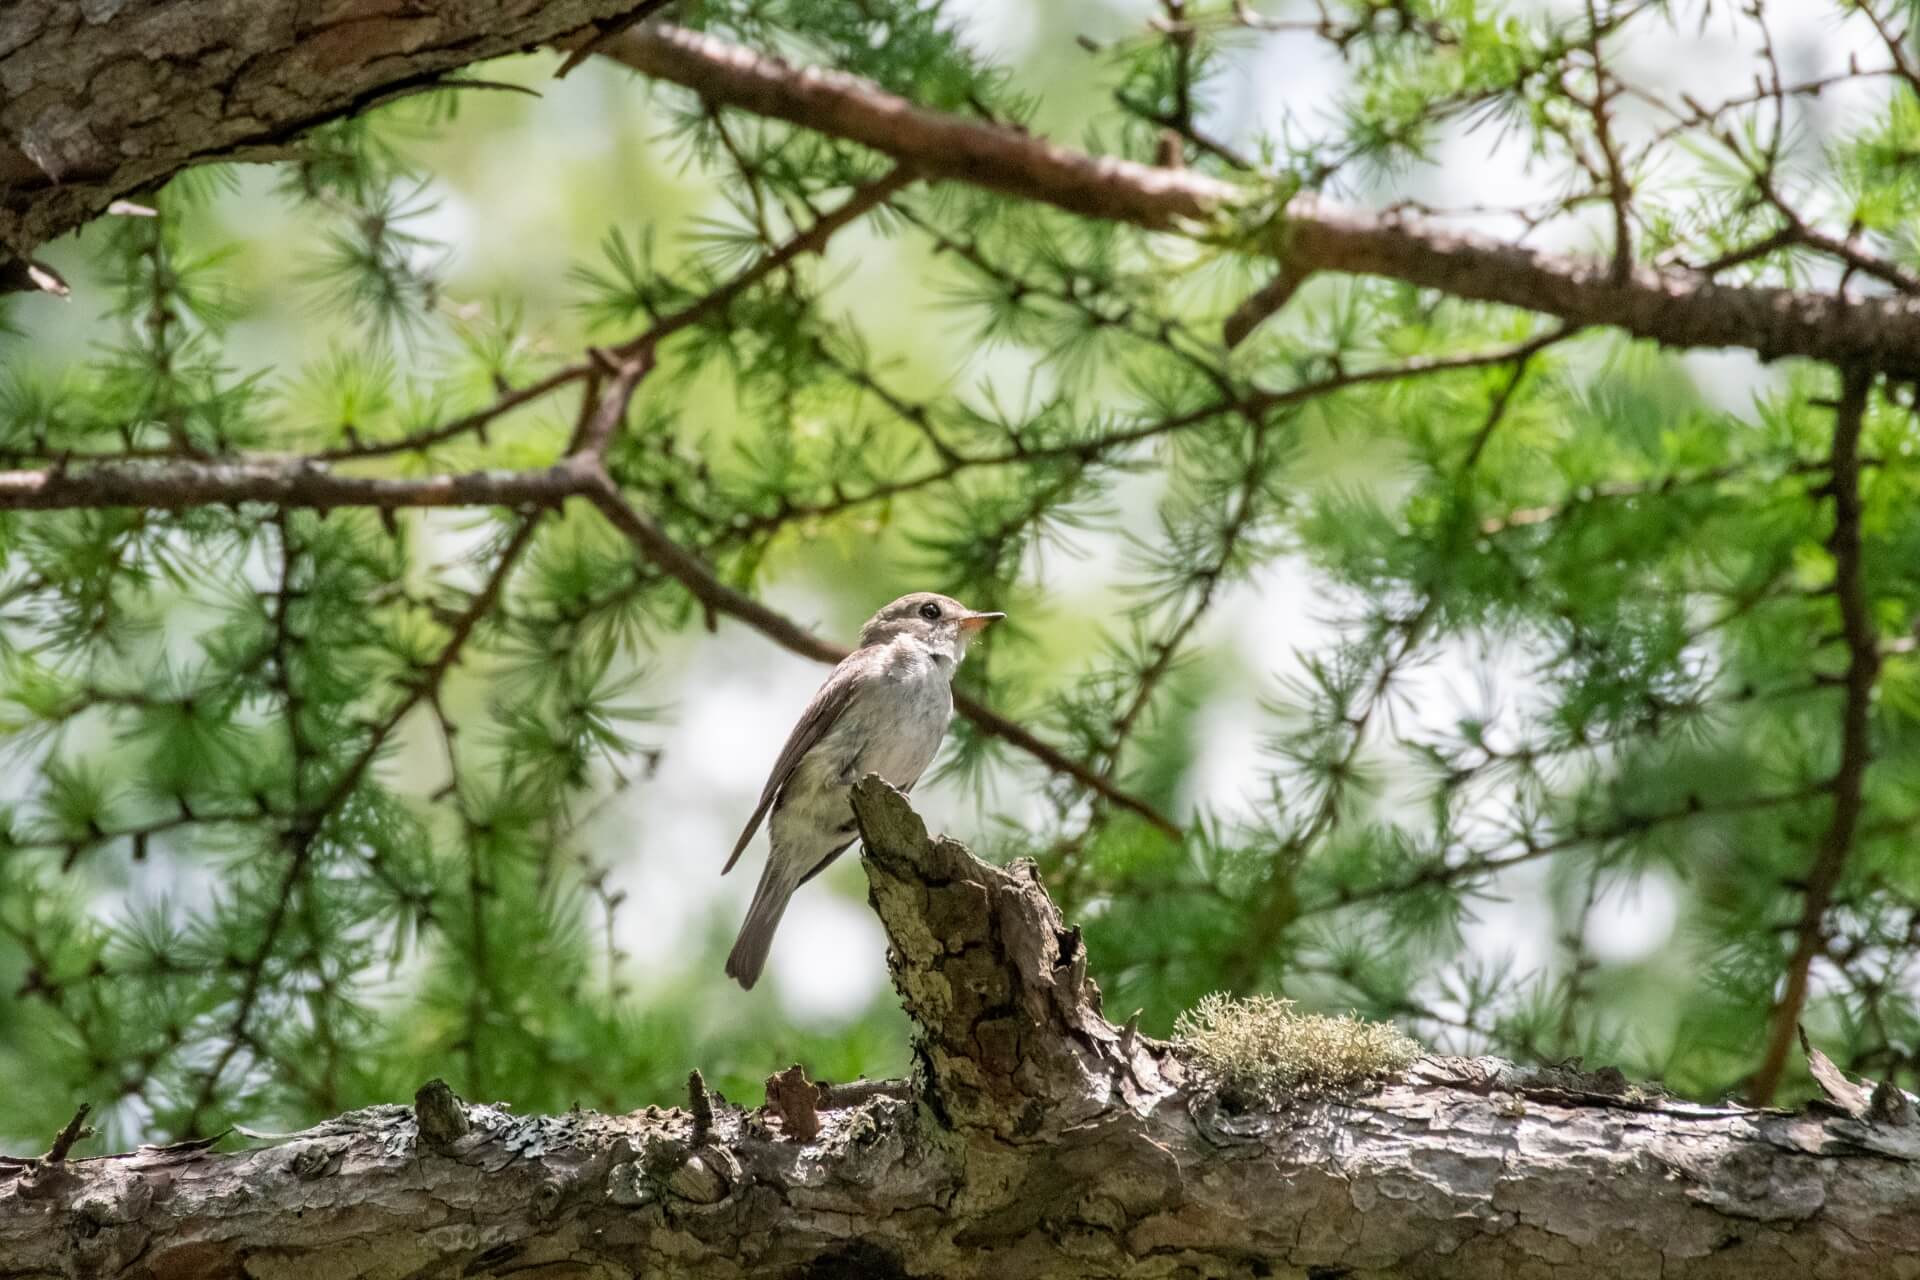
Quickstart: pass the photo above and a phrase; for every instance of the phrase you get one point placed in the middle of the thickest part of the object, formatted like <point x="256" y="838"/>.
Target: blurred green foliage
<point x="299" y="807"/>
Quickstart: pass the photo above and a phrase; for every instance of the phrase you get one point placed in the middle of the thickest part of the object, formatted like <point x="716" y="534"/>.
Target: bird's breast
<point x="906" y="730"/>
<point x="890" y="726"/>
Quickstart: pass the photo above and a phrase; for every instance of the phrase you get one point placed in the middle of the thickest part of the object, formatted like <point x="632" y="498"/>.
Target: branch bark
<point x="1036" y="1140"/>
<point x="99" y="98"/>
<point x="297" y="482"/>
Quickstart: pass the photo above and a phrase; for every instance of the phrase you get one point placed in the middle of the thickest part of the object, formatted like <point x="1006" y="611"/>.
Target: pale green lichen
<point x="1257" y="1049"/>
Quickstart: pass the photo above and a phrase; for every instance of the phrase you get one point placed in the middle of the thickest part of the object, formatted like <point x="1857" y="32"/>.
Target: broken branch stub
<point x="1012" y="1039"/>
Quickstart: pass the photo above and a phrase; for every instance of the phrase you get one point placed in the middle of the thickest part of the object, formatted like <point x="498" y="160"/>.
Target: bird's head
<point x="940" y="622"/>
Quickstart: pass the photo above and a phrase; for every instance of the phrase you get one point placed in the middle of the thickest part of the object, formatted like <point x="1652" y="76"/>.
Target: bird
<point x="883" y="710"/>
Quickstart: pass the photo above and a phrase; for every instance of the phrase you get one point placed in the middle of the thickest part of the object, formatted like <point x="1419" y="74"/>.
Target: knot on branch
<point x="440" y="1114"/>
<point x="1012" y="1039"/>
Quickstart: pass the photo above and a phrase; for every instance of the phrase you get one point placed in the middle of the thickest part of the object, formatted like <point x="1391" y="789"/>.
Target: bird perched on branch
<point x="883" y="710"/>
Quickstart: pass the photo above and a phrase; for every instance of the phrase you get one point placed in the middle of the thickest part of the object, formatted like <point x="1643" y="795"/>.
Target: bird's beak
<point x="975" y="621"/>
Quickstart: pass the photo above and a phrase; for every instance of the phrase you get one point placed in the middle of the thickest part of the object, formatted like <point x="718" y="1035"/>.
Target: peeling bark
<point x="1036" y="1140"/>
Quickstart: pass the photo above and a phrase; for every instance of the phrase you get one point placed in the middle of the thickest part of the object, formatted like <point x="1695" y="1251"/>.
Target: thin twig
<point x="75" y="1130"/>
<point x="1849" y="780"/>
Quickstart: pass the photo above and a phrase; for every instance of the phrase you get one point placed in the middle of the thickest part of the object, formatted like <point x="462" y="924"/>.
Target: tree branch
<point x="302" y="483"/>
<point x="249" y="90"/>
<point x="1856" y="751"/>
<point x="298" y="482"/>
<point x="1675" y="308"/>
<point x="104" y="100"/>
<point x="1038" y="1139"/>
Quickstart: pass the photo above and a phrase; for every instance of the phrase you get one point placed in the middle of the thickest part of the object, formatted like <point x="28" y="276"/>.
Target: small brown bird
<point x="883" y="710"/>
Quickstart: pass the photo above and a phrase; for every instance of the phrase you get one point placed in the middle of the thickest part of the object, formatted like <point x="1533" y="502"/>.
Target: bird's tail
<point x="749" y="954"/>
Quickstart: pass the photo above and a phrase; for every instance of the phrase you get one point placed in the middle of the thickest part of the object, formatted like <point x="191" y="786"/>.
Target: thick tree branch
<point x="1037" y="1140"/>
<point x="1677" y="308"/>
<point x="1849" y="780"/>
<point x="99" y="107"/>
<point x="101" y="100"/>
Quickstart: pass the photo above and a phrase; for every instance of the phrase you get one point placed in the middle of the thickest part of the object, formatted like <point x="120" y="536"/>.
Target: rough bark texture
<point x="99" y="98"/>
<point x="1036" y="1140"/>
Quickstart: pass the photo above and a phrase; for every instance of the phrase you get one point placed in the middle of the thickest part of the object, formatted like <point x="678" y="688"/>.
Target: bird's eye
<point x="930" y="611"/>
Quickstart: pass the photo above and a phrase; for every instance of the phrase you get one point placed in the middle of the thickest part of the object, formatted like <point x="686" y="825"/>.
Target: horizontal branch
<point x="249" y="90"/>
<point x="1675" y="308"/>
<point x="172" y="486"/>
<point x="303" y="483"/>
<point x="1038" y="1140"/>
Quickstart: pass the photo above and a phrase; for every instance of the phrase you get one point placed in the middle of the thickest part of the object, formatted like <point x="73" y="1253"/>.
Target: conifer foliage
<point x="1580" y="630"/>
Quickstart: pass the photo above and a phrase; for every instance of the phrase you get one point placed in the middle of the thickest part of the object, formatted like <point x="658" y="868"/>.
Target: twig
<point x="1265" y="301"/>
<point x="1532" y="849"/>
<point x="863" y="200"/>
<point x="700" y="1106"/>
<point x="598" y="427"/>
<point x="75" y="1130"/>
<point x="605" y="31"/>
<point x="1250" y="404"/>
<point x="1848" y="784"/>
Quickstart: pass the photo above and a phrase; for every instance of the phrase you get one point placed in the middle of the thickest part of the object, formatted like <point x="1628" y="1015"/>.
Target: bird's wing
<point x="827" y="704"/>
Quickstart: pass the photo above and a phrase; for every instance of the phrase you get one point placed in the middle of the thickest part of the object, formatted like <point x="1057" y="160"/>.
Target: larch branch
<point x="1849" y="780"/>
<point x="1674" y="307"/>
<point x="298" y="482"/>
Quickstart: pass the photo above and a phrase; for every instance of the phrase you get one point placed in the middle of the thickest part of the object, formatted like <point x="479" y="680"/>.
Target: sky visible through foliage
<point x="1500" y="700"/>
